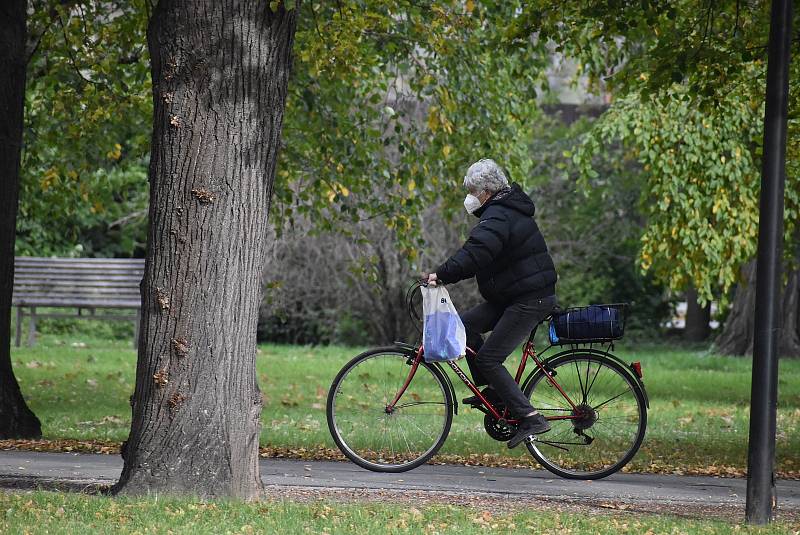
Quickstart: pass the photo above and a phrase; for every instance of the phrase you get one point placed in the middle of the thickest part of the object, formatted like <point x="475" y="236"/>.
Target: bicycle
<point x="389" y="410"/>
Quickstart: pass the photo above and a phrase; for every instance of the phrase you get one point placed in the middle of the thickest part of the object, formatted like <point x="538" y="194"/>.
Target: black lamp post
<point x="761" y="496"/>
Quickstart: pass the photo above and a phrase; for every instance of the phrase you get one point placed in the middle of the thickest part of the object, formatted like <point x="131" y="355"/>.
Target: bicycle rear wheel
<point x="388" y="440"/>
<point x="604" y="430"/>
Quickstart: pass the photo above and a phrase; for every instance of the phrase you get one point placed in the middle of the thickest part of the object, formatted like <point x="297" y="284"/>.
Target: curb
<point x="83" y="486"/>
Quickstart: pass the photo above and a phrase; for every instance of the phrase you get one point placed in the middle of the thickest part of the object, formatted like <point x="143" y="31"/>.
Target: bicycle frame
<point x="528" y="352"/>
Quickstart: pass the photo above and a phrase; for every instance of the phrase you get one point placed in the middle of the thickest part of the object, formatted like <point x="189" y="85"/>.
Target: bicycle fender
<point x="625" y="366"/>
<point x="407" y="347"/>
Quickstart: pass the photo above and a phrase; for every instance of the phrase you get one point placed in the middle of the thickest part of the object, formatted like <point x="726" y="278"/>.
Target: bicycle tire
<point x="363" y="435"/>
<point x="560" y="451"/>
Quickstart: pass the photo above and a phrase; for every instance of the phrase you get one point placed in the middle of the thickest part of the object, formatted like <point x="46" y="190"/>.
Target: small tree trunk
<point x="220" y="71"/>
<point x="16" y="419"/>
<point x="697" y="317"/>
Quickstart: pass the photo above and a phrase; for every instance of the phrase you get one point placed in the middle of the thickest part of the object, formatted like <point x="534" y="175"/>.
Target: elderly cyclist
<point x="508" y="256"/>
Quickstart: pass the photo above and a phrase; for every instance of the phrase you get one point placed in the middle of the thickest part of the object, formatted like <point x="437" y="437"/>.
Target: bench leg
<point x="18" y="334"/>
<point x="136" y="328"/>
<point x="32" y="328"/>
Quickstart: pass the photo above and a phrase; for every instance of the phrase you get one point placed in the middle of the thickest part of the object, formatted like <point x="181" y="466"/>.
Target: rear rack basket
<point x="588" y="324"/>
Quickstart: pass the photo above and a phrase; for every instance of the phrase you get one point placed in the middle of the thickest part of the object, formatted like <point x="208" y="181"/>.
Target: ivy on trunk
<point x="220" y="71"/>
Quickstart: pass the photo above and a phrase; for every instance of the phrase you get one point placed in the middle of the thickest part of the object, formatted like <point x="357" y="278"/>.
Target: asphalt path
<point x="34" y="469"/>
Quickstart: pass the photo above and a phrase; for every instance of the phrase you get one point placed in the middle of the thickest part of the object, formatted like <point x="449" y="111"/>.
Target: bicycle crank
<point x="500" y="429"/>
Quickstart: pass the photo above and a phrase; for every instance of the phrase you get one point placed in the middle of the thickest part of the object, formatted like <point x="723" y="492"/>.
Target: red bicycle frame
<point x="528" y="352"/>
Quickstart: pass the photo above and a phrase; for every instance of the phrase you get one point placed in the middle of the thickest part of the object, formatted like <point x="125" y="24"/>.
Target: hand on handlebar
<point x="429" y="279"/>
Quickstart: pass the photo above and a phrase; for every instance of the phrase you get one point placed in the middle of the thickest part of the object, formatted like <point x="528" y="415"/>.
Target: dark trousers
<point x="510" y="325"/>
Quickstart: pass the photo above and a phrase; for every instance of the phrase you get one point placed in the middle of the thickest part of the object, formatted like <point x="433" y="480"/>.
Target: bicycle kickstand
<point x="531" y="438"/>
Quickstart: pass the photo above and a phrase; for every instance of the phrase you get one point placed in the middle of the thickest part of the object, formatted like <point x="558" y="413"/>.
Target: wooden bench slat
<point x="113" y="317"/>
<point x="21" y="275"/>
<point x="63" y="260"/>
<point x="50" y="289"/>
<point x="70" y="295"/>
<point x="79" y="270"/>
<point x="38" y="283"/>
<point x="78" y="281"/>
<point x="80" y="263"/>
<point x="79" y="267"/>
<point x="78" y="303"/>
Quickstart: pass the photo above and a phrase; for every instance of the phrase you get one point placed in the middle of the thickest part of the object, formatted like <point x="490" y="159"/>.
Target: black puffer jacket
<point x="505" y="251"/>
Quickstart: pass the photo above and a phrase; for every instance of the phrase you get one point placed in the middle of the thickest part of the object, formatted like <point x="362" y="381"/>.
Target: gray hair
<point x="485" y="175"/>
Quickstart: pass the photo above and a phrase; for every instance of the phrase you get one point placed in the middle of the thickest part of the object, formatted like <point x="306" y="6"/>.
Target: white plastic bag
<point x="444" y="337"/>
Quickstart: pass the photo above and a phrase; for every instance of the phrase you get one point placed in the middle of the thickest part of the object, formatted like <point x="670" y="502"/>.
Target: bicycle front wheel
<point x="605" y="427"/>
<point x="396" y="439"/>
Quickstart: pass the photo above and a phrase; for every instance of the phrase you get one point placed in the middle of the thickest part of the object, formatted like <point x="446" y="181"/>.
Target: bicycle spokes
<point x="382" y="419"/>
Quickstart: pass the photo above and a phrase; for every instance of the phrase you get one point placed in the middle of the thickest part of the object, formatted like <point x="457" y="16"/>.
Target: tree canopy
<point x="387" y="102"/>
<point x="688" y="81"/>
<point x="390" y="100"/>
<point x="87" y="129"/>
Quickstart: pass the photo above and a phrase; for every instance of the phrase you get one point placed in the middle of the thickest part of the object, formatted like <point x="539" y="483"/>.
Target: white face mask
<point x="471" y="203"/>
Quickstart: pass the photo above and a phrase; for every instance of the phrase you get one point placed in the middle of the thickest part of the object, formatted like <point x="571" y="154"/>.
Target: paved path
<point x="27" y="469"/>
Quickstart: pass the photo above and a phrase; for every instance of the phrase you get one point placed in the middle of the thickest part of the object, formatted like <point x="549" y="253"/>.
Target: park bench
<point x="83" y="284"/>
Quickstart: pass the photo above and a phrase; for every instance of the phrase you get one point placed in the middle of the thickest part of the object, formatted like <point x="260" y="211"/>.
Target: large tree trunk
<point x="789" y="335"/>
<point x="220" y="71"/>
<point x="16" y="419"/>
<point x="737" y="335"/>
<point x="697" y="317"/>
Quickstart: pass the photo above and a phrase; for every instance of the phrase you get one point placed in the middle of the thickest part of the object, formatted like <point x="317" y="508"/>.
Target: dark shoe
<point x="488" y="393"/>
<point x="531" y="425"/>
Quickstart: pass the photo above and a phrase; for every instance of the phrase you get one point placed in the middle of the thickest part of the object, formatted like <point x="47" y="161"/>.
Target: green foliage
<point x="390" y="102"/>
<point x="87" y="130"/>
<point x="689" y="81"/>
<point x="701" y="183"/>
<point x="387" y="105"/>
<point x="103" y="213"/>
<point x="594" y="228"/>
<point x="708" y="46"/>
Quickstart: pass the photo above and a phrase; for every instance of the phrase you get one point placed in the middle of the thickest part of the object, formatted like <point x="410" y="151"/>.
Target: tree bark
<point x="16" y="419"/>
<point x="697" y="317"/>
<point x="220" y="71"/>
<point x="789" y="335"/>
<point x="737" y="335"/>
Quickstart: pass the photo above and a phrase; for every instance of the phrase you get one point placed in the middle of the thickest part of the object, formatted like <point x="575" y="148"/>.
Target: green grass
<point x="44" y="512"/>
<point x="698" y="418"/>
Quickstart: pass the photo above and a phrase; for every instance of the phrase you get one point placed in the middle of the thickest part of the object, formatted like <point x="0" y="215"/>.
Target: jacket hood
<point x="512" y="197"/>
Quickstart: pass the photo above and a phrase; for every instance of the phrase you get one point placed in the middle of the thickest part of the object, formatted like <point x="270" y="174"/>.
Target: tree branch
<point x="71" y="56"/>
<point x="33" y="43"/>
<point x="125" y="219"/>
